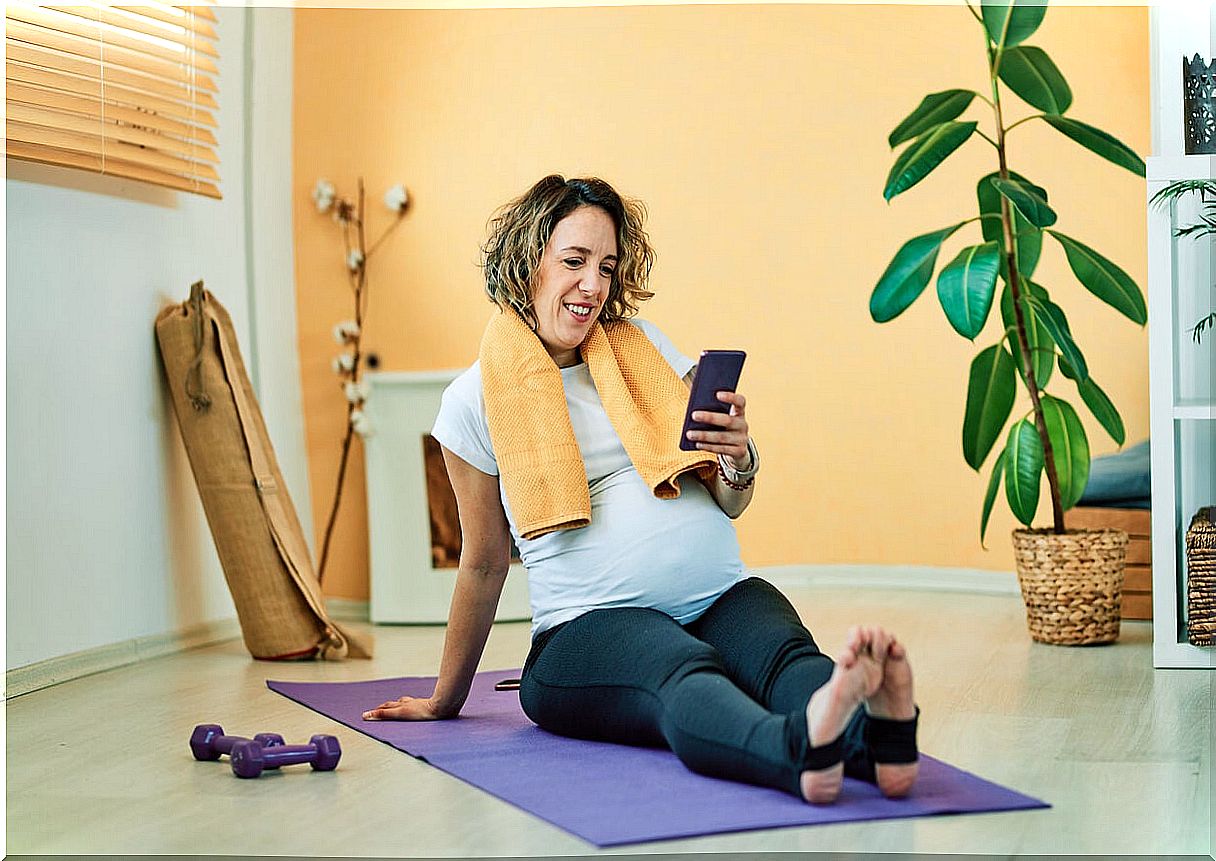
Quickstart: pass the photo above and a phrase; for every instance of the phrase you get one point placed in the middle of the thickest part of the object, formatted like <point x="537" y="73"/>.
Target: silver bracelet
<point x="736" y="476"/>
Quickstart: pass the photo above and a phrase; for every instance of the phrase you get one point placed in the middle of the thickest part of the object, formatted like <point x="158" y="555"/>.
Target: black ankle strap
<point x="892" y="741"/>
<point x="824" y="756"/>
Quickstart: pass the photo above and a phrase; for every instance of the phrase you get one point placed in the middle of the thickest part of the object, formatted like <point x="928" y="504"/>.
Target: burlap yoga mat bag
<point x="256" y="531"/>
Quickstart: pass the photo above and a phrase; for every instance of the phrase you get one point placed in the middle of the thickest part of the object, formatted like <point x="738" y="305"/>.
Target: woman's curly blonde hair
<point x="519" y="232"/>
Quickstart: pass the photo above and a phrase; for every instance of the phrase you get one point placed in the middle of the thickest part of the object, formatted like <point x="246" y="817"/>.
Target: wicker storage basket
<point x="1071" y="583"/>
<point x="1201" y="579"/>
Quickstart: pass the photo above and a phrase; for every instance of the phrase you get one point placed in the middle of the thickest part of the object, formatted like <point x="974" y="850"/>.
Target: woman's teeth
<point x="582" y="312"/>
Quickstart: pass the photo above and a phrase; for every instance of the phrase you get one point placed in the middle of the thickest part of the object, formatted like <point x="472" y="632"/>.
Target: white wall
<point x="106" y="538"/>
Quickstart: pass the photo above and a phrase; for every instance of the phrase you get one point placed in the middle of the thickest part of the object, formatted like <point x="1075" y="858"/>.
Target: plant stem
<point x="1023" y="120"/>
<point x="985" y="137"/>
<point x="333" y="511"/>
<point x="1024" y="351"/>
<point x="360" y="284"/>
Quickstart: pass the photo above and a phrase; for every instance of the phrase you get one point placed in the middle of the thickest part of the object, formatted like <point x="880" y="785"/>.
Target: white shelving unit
<point x="1181" y="271"/>
<point x="1182" y="418"/>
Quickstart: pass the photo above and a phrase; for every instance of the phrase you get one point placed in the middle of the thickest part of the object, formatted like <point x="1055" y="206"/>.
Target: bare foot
<point x="894" y="700"/>
<point x="827" y="714"/>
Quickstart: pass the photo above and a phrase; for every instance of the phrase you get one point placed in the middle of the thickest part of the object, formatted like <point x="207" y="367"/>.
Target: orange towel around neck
<point x="539" y="461"/>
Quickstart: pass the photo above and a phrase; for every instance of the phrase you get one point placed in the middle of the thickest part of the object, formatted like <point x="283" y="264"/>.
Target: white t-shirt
<point x="674" y="555"/>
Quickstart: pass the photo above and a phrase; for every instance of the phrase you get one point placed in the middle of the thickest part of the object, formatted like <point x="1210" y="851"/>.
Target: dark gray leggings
<point x="727" y="692"/>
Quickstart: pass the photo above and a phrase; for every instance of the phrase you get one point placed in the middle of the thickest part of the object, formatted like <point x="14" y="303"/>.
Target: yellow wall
<point x="757" y="137"/>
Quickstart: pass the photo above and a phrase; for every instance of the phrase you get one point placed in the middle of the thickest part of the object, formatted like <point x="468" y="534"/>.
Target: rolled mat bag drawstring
<point x="199" y="399"/>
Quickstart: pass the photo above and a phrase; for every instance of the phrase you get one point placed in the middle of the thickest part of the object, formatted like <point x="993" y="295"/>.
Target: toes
<point x="847" y="657"/>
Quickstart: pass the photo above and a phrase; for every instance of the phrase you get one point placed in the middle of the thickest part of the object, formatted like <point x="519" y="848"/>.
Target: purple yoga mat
<point x="611" y="794"/>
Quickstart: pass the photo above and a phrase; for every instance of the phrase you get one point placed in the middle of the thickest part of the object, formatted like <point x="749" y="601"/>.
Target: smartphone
<point x="717" y="371"/>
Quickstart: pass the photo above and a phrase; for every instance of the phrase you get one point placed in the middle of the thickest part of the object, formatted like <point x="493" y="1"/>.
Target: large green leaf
<point x="1052" y="316"/>
<point x="1069" y="448"/>
<point x="1104" y="279"/>
<point x="991" y="388"/>
<point x="1028" y="202"/>
<point x="994" y="481"/>
<point x="1023" y="468"/>
<point x="1029" y="238"/>
<point x="934" y="109"/>
<point x="924" y="154"/>
<point x="1030" y="73"/>
<point x="1023" y="17"/>
<point x="966" y="286"/>
<point x="1099" y="404"/>
<point x="907" y="274"/>
<point x="1105" y="145"/>
<point x="1042" y="348"/>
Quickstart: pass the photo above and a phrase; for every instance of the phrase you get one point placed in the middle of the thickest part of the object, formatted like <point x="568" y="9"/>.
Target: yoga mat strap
<point x="892" y="741"/>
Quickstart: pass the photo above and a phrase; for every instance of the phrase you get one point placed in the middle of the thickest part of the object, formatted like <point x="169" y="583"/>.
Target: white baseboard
<point x="348" y="609"/>
<point x="920" y="577"/>
<point x="54" y="671"/>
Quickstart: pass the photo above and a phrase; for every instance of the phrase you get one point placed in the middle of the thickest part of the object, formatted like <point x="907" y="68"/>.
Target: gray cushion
<point x="1120" y="480"/>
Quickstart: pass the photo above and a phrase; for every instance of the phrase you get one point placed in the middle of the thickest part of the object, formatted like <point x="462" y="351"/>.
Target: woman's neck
<point x="567" y="358"/>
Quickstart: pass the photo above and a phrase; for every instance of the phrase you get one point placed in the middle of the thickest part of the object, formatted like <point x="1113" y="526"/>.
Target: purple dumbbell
<point x="208" y="741"/>
<point x="249" y="758"/>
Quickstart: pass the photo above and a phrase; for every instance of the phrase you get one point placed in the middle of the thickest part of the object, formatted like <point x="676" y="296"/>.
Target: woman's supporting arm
<point x="485" y="557"/>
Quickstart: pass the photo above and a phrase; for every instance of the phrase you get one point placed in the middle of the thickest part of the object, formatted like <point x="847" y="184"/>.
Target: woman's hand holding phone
<point x="731" y="437"/>
<point x="715" y="419"/>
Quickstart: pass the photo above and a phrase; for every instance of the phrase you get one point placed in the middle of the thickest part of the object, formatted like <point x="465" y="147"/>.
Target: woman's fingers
<point x="731" y="440"/>
<point x="405" y="708"/>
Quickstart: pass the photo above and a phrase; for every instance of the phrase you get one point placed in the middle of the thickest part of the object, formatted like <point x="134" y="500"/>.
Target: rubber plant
<point x="1014" y="216"/>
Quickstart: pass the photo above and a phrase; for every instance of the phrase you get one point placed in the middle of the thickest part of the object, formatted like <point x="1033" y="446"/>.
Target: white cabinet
<point x="406" y="585"/>
<point x="1180" y="278"/>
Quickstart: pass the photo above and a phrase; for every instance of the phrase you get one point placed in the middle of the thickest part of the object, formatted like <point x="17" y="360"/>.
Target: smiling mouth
<point x="582" y="313"/>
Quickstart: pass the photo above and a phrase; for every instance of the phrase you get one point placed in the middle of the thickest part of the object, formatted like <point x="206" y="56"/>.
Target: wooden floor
<point x="1122" y="752"/>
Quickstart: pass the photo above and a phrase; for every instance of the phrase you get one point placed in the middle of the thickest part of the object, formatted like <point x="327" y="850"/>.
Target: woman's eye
<point x="606" y="271"/>
<point x="573" y="262"/>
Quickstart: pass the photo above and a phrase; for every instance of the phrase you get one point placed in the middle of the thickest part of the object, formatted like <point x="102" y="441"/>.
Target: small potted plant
<point x="1071" y="579"/>
<point x="1205" y="226"/>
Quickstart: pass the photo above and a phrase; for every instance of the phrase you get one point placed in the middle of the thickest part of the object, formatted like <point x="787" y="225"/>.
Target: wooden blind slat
<point x="190" y="22"/>
<point x="17" y="73"/>
<point x="93" y="163"/>
<point x="110" y="130"/>
<point x="145" y="25"/>
<point x="123" y="91"/>
<point x="84" y="26"/>
<point x="90" y="48"/>
<point x="107" y="148"/>
<point x="201" y="11"/>
<point x="38" y="56"/>
<point x="95" y="108"/>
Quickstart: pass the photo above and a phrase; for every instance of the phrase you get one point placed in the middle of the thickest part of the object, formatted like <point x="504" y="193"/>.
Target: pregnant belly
<point x="673" y="555"/>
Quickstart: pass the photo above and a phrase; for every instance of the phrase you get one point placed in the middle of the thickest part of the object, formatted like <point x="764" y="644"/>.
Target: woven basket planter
<point x="1201" y="580"/>
<point x="1072" y="583"/>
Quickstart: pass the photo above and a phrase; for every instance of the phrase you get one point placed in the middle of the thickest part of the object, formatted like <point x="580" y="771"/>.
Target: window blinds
<point x="121" y="90"/>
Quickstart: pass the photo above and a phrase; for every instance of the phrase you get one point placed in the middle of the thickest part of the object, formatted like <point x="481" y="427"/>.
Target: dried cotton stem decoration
<point x="348" y="365"/>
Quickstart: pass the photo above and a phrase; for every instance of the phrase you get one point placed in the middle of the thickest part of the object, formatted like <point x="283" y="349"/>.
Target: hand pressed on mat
<point x="406" y="708"/>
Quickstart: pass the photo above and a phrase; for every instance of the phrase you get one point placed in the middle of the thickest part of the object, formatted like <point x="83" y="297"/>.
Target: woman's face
<point x="572" y="284"/>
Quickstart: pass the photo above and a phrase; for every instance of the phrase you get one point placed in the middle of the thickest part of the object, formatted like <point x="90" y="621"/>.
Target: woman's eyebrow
<point x="586" y="251"/>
